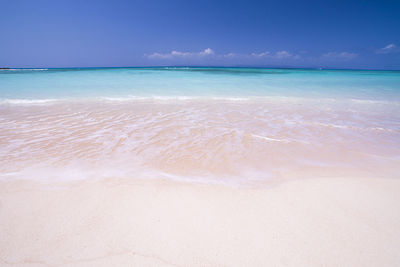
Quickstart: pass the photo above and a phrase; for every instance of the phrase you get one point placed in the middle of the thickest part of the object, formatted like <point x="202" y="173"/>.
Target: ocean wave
<point x="169" y="98"/>
<point x="28" y="101"/>
<point x="189" y="141"/>
<point x="183" y="98"/>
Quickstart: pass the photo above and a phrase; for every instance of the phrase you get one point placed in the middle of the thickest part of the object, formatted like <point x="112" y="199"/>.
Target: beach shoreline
<point x="141" y="222"/>
<point x="199" y="167"/>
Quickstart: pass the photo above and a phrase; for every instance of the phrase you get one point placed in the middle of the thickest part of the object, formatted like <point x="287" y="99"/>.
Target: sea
<point x="235" y="126"/>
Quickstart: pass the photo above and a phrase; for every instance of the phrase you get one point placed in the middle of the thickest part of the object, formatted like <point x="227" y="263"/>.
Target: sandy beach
<point x="199" y="133"/>
<point x="256" y="182"/>
<point x="134" y="222"/>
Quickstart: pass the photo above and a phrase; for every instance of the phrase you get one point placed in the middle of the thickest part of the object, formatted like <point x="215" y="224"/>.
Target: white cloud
<point x="178" y="54"/>
<point x="231" y="55"/>
<point x="390" y="48"/>
<point x="283" y="54"/>
<point x="280" y="55"/>
<point x="263" y="54"/>
<point x="339" y="55"/>
<point x="207" y="51"/>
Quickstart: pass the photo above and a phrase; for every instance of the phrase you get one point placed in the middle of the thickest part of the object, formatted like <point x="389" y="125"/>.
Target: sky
<point x="120" y="33"/>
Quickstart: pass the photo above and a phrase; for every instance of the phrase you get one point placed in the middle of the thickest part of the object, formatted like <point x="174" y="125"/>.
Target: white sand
<point x="309" y="222"/>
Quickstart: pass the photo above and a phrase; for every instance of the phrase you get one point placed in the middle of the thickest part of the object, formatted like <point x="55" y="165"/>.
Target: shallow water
<point x="203" y="125"/>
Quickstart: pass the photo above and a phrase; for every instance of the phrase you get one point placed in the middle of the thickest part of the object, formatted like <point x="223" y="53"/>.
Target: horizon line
<point x="202" y="66"/>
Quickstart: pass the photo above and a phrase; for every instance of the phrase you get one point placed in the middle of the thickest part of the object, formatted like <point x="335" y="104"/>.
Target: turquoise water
<point x="41" y="84"/>
<point x="224" y="125"/>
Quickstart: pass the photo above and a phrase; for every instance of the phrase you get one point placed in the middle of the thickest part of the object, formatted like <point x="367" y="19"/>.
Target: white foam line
<point x="355" y="128"/>
<point x="279" y="140"/>
<point x="168" y="98"/>
<point x="332" y="125"/>
<point x="271" y="139"/>
<point x="9" y="174"/>
<point x="27" y="101"/>
<point x="186" y="98"/>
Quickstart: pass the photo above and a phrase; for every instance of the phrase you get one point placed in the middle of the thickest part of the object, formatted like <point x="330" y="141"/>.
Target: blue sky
<point x="331" y="34"/>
